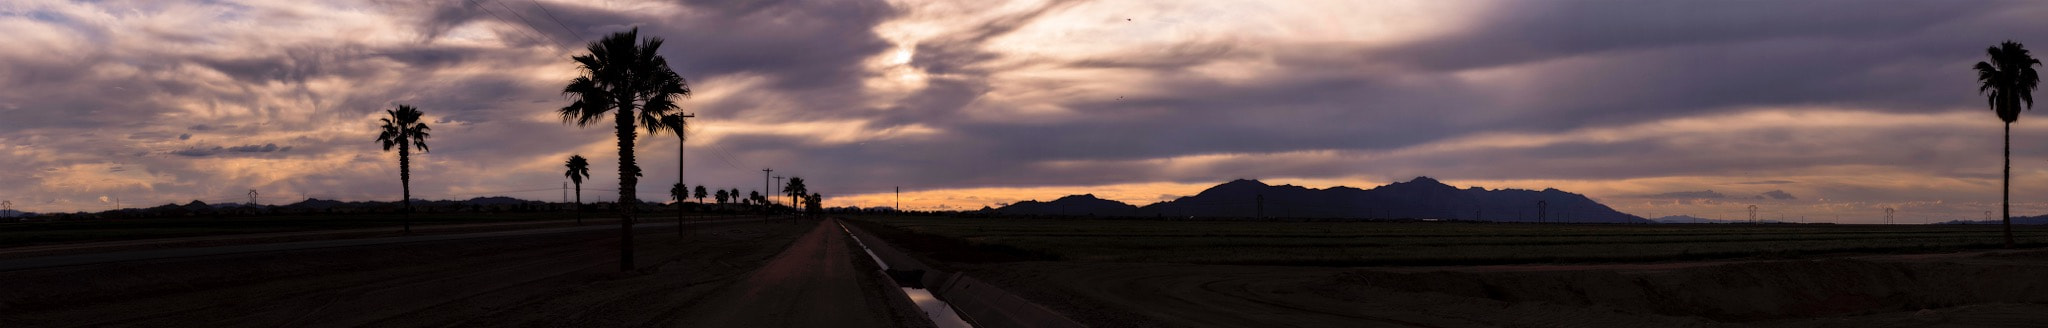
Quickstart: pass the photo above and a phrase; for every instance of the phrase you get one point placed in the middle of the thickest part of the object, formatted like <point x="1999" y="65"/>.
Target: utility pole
<point x="565" y="192"/>
<point x="899" y="200"/>
<point x="764" y="182"/>
<point x="778" y="182"/>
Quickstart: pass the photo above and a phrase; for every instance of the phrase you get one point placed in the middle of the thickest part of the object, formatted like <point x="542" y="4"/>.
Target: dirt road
<point x="813" y="283"/>
<point x="561" y="279"/>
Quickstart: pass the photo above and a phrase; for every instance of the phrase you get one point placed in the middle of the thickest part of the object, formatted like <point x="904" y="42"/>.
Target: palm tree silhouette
<point x="679" y="193"/>
<point x="674" y="124"/>
<point x="620" y="76"/>
<point x="403" y="130"/>
<point x="720" y="197"/>
<point x="579" y="169"/>
<point x="701" y="194"/>
<point x="795" y="189"/>
<point x="2007" y="83"/>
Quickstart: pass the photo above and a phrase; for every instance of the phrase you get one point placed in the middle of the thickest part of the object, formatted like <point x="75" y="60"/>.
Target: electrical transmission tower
<point x="1888" y="214"/>
<point x="1542" y="211"/>
<point x="7" y="207"/>
<point x="1752" y="214"/>
<point x="252" y="197"/>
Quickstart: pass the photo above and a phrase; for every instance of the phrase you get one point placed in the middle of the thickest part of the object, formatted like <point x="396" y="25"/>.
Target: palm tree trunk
<point x="405" y="184"/>
<point x="579" y="203"/>
<point x="626" y="182"/>
<point x="2006" y="202"/>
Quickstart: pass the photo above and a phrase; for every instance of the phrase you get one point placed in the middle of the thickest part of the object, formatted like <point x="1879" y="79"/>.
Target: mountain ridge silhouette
<point x="1418" y="198"/>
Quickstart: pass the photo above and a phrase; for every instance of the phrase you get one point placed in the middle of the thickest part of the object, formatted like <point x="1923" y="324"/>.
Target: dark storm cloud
<point x="1778" y="195"/>
<point x="218" y="150"/>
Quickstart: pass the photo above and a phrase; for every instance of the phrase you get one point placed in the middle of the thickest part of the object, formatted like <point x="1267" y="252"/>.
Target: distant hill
<point x="1421" y="198"/>
<point x="1074" y="205"/>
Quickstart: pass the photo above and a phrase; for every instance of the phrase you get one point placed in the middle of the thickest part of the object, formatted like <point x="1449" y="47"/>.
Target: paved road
<point x="813" y="283"/>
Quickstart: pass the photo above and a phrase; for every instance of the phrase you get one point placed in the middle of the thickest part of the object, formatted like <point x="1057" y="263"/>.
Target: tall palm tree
<point x="2007" y="82"/>
<point x="633" y="82"/>
<point x="701" y="194"/>
<point x="720" y="197"/>
<point x="403" y="130"/>
<point x="679" y="193"/>
<point x="674" y="124"/>
<point x="795" y="189"/>
<point x="579" y="169"/>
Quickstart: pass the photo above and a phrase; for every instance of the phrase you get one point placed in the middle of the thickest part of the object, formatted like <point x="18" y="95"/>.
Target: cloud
<point x="217" y="150"/>
<point x="1767" y="182"/>
<point x="1703" y="194"/>
<point x="1612" y="99"/>
<point x="1778" y="195"/>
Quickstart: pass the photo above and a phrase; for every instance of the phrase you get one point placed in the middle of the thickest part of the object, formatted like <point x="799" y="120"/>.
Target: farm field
<point x="1437" y="243"/>
<point x="1112" y="273"/>
<point x="16" y="234"/>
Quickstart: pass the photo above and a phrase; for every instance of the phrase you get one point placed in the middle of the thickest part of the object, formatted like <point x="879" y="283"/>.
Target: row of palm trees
<point x="623" y="78"/>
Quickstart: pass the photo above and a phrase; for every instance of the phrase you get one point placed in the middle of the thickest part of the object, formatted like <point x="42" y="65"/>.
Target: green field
<point x="1418" y="243"/>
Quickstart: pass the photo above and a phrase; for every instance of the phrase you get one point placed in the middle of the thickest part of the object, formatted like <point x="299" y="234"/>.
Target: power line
<point x="529" y="25"/>
<point x="551" y="16"/>
<point x="501" y="19"/>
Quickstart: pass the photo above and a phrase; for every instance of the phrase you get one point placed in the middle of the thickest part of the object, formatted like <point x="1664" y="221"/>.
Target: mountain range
<point x="1420" y="198"/>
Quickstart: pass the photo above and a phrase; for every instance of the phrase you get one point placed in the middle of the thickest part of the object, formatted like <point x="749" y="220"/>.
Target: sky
<point x="1824" y="111"/>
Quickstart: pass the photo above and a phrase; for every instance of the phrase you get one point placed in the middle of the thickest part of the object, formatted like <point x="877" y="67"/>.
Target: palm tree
<point x="674" y="124"/>
<point x="679" y="193"/>
<point x="2007" y="82"/>
<point x="701" y="194"/>
<point x="795" y="189"/>
<point x="579" y="169"/>
<point x="403" y="130"/>
<point x="720" y="197"/>
<point x="620" y="76"/>
<point x="814" y="204"/>
<point x="754" y="196"/>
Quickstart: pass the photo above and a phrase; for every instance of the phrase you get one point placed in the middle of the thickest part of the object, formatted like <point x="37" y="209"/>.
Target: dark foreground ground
<point x="1167" y="274"/>
<point x="564" y="279"/>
